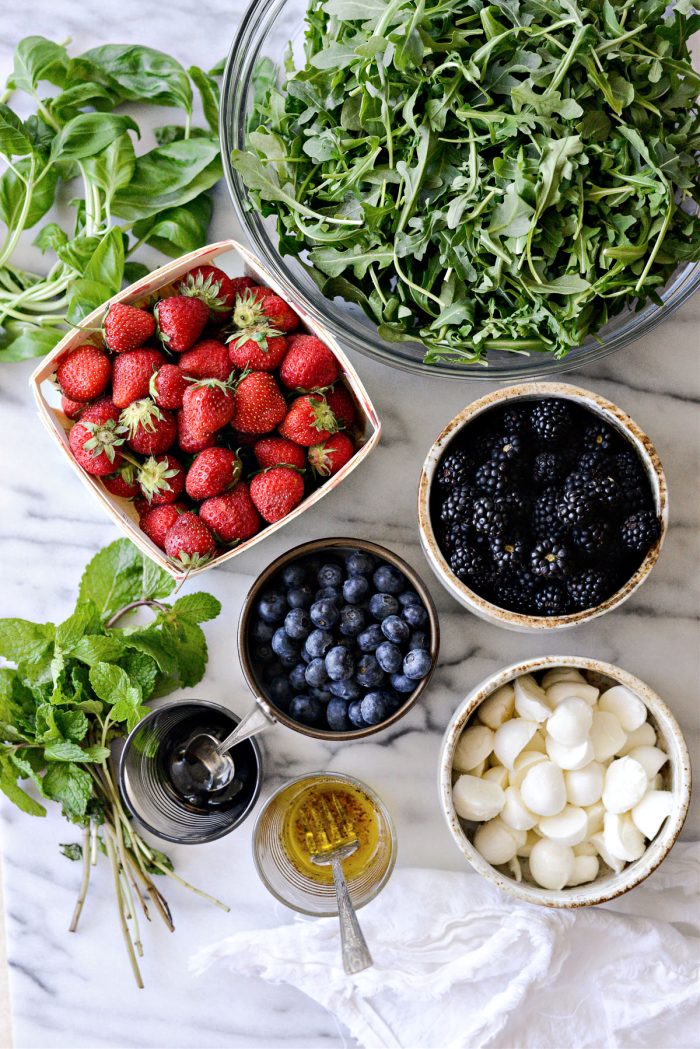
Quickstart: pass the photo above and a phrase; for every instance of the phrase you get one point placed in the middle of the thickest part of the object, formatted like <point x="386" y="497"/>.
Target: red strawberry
<point x="83" y="374"/>
<point x="167" y="386"/>
<point x="190" y="439"/>
<point x="141" y="504"/>
<point x="127" y="327"/>
<point x="262" y="352"/>
<point x="309" y="364"/>
<point x="151" y="431"/>
<point x="73" y="409"/>
<point x="123" y="483"/>
<point x="95" y="440"/>
<point x="189" y="541"/>
<point x="131" y="375"/>
<point x="161" y="479"/>
<point x="341" y="404"/>
<point x="102" y="411"/>
<point x="232" y="516"/>
<point x="156" y="521"/>
<point x="259" y="307"/>
<point x="214" y="471"/>
<point x="181" y="321"/>
<point x="206" y="360"/>
<point x="208" y="405"/>
<point x="259" y="404"/>
<point x="327" y="458"/>
<point x="243" y="440"/>
<point x="309" y="420"/>
<point x="276" y="492"/>
<point x="212" y="286"/>
<point x="275" y="451"/>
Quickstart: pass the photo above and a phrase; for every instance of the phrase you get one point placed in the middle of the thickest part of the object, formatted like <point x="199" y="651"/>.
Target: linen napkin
<point x="460" y="964"/>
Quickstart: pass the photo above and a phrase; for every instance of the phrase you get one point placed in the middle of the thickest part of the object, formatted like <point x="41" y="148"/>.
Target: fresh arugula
<point x="159" y="197"/>
<point x="488" y="174"/>
<point x="76" y="687"/>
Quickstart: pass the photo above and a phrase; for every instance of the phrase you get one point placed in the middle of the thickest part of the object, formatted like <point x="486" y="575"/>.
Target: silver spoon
<point x="356" y="956"/>
<point x="204" y="764"/>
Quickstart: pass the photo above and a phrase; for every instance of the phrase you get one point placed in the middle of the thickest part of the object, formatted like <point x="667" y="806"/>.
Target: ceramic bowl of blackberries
<point x="542" y="506"/>
<point x="338" y="638"/>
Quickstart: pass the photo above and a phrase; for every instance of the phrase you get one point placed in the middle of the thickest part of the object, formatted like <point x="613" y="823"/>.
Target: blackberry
<point x="517" y="505"/>
<point x="514" y="419"/>
<point x="577" y="506"/>
<point x="640" y="530"/>
<point x="488" y="517"/>
<point x="455" y="534"/>
<point x="551" y="420"/>
<point x="481" y="446"/>
<point x="588" y="588"/>
<point x="492" y="477"/>
<point x="591" y="538"/>
<point x="548" y="468"/>
<point x="507" y="447"/>
<point x="599" y="437"/>
<point x="545" y="515"/>
<point x="471" y="567"/>
<point x="460" y="561"/>
<point x="606" y="491"/>
<point x="551" y="560"/>
<point x="514" y="592"/>
<point x="508" y="553"/>
<point x="457" y="505"/>
<point x="633" y="484"/>
<point x="593" y="463"/>
<point x="455" y="469"/>
<point x="552" y="600"/>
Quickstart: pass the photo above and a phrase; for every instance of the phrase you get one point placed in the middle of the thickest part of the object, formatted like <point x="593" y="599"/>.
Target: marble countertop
<point x="74" y="991"/>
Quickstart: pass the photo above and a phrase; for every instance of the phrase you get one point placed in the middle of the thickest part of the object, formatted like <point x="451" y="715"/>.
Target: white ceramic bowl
<point x="677" y="774"/>
<point x="612" y="415"/>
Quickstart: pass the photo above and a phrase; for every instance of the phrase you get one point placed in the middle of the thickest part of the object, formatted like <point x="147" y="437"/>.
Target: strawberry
<point x="73" y="409"/>
<point x="214" y="471"/>
<point x="84" y="374"/>
<point x="156" y="521"/>
<point x="212" y="286"/>
<point x="232" y="516"/>
<point x="131" y="374"/>
<point x="190" y="439"/>
<point x="101" y="411"/>
<point x="150" y="430"/>
<point x="96" y="439"/>
<point x="309" y="420"/>
<point x="161" y="479"/>
<point x="189" y="541"/>
<point x="208" y="359"/>
<point x="208" y="405"/>
<point x="341" y="404"/>
<point x="181" y="321"/>
<point x="259" y="404"/>
<point x="127" y="327"/>
<point x="167" y="386"/>
<point x="141" y="504"/>
<point x="259" y="307"/>
<point x="309" y="364"/>
<point x="276" y="492"/>
<point x="276" y="451"/>
<point x="123" y="483"/>
<point x="327" y="458"/>
<point x="257" y="350"/>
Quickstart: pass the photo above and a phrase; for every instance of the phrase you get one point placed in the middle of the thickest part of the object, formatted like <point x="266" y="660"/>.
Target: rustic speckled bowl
<point x="612" y="415"/>
<point x="607" y="885"/>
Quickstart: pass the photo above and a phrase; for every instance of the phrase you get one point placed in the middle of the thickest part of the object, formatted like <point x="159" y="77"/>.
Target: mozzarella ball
<point x="650" y="758"/>
<point x="497" y="708"/>
<point x="524" y="850"/>
<point x="644" y="736"/>
<point x="562" y="690"/>
<point x="614" y="862"/>
<point x="585" y="870"/>
<point x="543" y="790"/>
<point x="515" y="814"/>
<point x="596" y="815"/>
<point x="584" y="786"/>
<point x="511" y="738"/>
<point x="474" y="746"/>
<point x="607" y="735"/>
<point x="530" y="699"/>
<point x="561" y="674"/>
<point x="498" y="774"/>
<point x="625" y="784"/>
<point x="551" y="864"/>
<point x="571" y="722"/>
<point x="649" y="813"/>
<point x="495" y="842"/>
<point x="570" y="757"/>
<point x="622" y="839"/>
<point x="568" y="827"/>
<point x="477" y="799"/>
<point x="627" y="708"/>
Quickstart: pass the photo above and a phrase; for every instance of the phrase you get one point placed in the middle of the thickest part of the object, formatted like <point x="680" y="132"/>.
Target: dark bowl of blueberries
<point x="542" y="506"/>
<point x="338" y="638"/>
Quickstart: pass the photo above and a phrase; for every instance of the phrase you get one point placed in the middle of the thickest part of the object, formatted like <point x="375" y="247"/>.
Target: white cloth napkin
<point x="460" y="964"/>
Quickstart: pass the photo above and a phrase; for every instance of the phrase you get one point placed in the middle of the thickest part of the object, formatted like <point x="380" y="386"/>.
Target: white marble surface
<point x="71" y="991"/>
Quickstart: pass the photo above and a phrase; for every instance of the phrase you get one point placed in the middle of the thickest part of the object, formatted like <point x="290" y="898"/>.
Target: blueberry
<point x="263" y="652"/>
<point x="294" y="574"/>
<point x="389" y="657"/>
<point x="305" y="654"/>
<point x="306" y="709"/>
<point x="289" y="661"/>
<point x="324" y="613"/>
<point x="374" y="708"/>
<point x="383" y="605"/>
<point x="329" y="593"/>
<point x="355" y="714"/>
<point x="389" y="580"/>
<point x="316" y="674"/>
<point x="337" y="715"/>
<point x="369" y="674"/>
<point x="417" y="664"/>
<point x="370" y="638"/>
<point x="330" y="575"/>
<point x="394" y="629"/>
<point x="262" y="631"/>
<point x="300" y="597"/>
<point x="347" y="689"/>
<point x="272" y="606"/>
<point x="323" y="695"/>
<point x="352" y="620"/>
<point x="355" y="589"/>
<point x="409" y="597"/>
<point x="318" y="642"/>
<point x="419" y="639"/>
<point x="339" y="663"/>
<point x="415" y="615"/>
<point x="280" y="691"/>
<point x="297" y="624"/>
<point x="359" y="563"/>
<point x="402" y="683"/>
<point x="283" y="646"/>
<point x="297" y="677"/>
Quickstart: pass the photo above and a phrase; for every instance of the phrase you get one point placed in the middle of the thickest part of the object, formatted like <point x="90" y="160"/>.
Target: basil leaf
<point x="41" y="187"/>
<point x="169" y="176"/>
<point x="113" y="167"/>
<point x="30" y="341"/>
<point x="13" y="138"/>
<point x="88" y="134"/>
<point x="37" y="59"/>
<point x="209" y="94"/>
<point x="142" y="73"/>
<point x="176" y="231"/>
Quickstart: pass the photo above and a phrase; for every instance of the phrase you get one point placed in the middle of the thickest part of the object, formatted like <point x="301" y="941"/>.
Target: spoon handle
<point x="256" y="720"/>
<point x="356" y="956"/>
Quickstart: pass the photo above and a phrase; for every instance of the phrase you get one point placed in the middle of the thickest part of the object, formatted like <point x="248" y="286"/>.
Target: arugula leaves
<point x="500" y="174"/>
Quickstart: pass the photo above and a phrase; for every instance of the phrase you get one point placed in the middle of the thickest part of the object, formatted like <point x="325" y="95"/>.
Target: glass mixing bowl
<point x="267" y="28"/>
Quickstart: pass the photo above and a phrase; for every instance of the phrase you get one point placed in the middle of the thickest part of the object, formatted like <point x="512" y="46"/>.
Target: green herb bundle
<point x="75" y="688"/>
<point x="76" y="137"/>
<point x="484" y="175"/>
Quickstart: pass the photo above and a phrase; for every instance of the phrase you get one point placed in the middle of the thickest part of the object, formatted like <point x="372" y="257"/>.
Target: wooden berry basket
<point x="240" y="261"/>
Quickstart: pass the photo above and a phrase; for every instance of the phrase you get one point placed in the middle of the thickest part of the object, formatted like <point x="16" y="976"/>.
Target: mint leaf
<point x="98" y="648"/>
<point x="63" y="750"/>
<point x="113" y="578"/>
<point x="22" y="641"/>
<point x="69" y="785"/>
<point x="85" y="620"/>
<point x="12" y="790"/>
<point x="72" y="724"/>
<point x="191" y="649"/>
<point x="156" y="644"/>
<point x="112" y="684"/>
<point x="197" y="607"/>
<point x="71" y="850"/>
<point x="155" y="582"/>
<point x="142" y="670"/>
